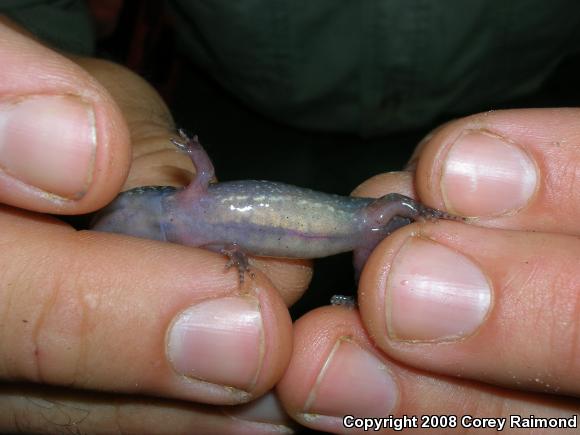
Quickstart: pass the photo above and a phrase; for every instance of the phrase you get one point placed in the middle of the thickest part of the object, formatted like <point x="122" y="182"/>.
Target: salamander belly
<point x="278" y="220"/>
<point x="279" y="241"/>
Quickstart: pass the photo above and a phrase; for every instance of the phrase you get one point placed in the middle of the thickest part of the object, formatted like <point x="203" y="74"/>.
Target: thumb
<point x="64" y="146"/>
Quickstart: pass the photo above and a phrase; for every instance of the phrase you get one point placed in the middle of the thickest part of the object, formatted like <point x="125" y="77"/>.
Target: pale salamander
<point x="261" y="218"/>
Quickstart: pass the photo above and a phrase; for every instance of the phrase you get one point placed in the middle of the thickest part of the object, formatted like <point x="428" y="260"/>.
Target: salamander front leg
<point x="239" y="259"/>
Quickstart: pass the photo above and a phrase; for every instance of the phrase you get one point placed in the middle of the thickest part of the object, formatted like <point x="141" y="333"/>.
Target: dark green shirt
<point x="363" y="66"/>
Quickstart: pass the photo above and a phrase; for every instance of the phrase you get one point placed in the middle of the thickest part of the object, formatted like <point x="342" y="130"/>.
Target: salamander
<point x="262" y="218"/>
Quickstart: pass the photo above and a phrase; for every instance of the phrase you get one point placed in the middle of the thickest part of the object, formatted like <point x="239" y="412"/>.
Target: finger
<point x="492" y="305"/>
<point x="514" y="169"/>
<point x="382" y="184"/>
<point x="64" y="146"/>
<point x="32" y="409"/>
<point x="290" y="276"/>
<point x="107" y="312"/>
<point x="336" y="371"/>
<point x="156" y="161"/>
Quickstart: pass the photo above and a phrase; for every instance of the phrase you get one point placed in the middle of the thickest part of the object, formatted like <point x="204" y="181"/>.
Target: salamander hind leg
<point x="386" y="208"/>
<point x="387" y="214"/>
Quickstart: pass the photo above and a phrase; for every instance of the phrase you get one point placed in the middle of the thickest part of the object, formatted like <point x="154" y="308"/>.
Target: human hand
<point x="458" y="320"/>
<point x="102" y="332"/>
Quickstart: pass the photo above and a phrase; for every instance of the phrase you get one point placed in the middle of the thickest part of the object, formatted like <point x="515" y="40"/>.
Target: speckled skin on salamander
<point x="262" y="218"/>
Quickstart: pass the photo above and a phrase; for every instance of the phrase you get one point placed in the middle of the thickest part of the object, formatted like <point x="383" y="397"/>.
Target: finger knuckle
<point x="43" y="330"/>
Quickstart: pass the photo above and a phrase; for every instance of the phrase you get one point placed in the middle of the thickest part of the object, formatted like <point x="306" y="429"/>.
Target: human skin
<point x="461" y="319"/>
<point x="85" y="312"/>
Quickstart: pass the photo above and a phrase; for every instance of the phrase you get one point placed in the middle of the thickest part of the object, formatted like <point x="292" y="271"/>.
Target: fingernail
<point x="434" y="294"/>
<point x="49" y="142"/>
<point x="484" y="175"/>
<point x="219" y="341"/>
<point x="352" y="381"/>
